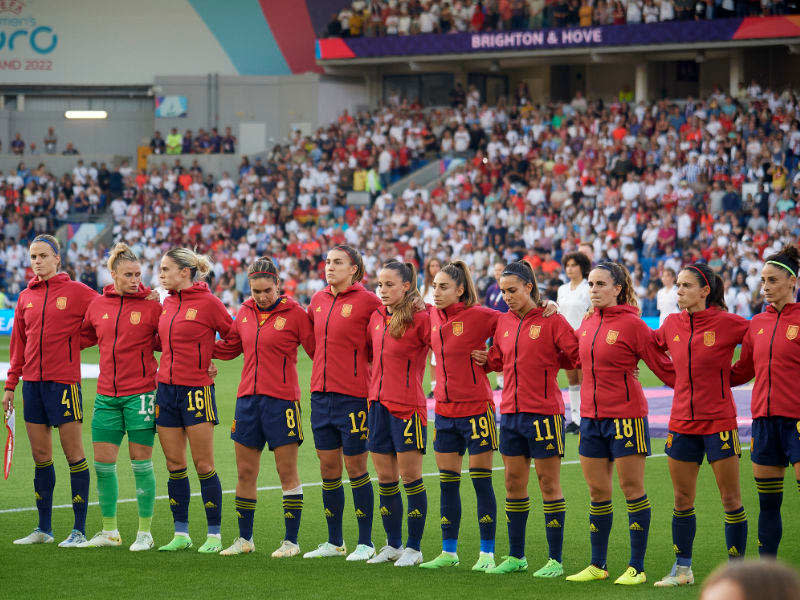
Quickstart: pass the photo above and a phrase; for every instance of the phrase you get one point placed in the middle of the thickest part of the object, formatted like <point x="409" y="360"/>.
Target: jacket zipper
<point x="325" y="362"/>
<point x="171" y="323"/>
<point x="258" y="330"/>
<point x="516" y="379"/>
<point x="691" y="382"/>
<point x="380" y="362"/>
<point x="627" y="390"/>
<point x="284" y="369"/>
<point x="408" y="372"/>
<point x="41" y="332"/>
<point x="769" y="363"/>
<point x="594" y="377"/>
<point x="143" y="369"/>
<point x="114" y="345"/>
<point x="444" y="370"/>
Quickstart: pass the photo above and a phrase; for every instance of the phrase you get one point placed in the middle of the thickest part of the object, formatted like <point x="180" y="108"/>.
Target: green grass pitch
<point x="51" y="572"/>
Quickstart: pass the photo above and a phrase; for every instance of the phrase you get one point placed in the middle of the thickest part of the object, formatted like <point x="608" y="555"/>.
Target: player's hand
<point x="212" y="370"/>
<point x="153" y="295"/>
<point x="419" y="304"/>
<point x="480" y="357"/>
<point x="8" y="401"/>
<point x="550" y="308"/>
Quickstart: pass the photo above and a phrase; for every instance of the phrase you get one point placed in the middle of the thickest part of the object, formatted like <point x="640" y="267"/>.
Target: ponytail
<point x="198" y="264"/>
<point x="705" y="277"/>
<point x="458" y="271"/>
<point x="622" y="278"/>
<point x="522" y="270"/>
<point x="263" y="267"/>
<point x="403" y="313"/>
<point x="120" y="252"/>
<point x="355" y="259"/>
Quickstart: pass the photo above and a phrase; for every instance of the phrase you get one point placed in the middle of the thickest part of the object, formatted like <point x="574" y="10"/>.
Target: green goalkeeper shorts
<point x="115" y="415"/>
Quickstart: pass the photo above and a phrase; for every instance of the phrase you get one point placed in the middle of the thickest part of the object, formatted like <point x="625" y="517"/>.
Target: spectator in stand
<point x="50" y="141"/>
<point x="18" y="145"/>
<point x="228" y="142"/>
<point x="70" y="150"/>
<point x="157" y="143"/>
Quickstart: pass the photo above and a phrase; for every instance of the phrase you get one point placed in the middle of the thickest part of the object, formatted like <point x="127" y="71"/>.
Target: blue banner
<point x="6" y="320"/>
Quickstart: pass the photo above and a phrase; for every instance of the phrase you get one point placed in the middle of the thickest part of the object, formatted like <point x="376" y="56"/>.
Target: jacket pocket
<point x="472" y="368"/>
<point x="69" y="345"/>
<point x="722" y="384"/>
<point x="284" y="369"/>
<point x="355" y="362"/>
<point x="408" y="372"/>
<point x="199" y="357"/>
<point x="545" y="384"/>
<point x="143" y="369"/>
<point x="627" y="391"/>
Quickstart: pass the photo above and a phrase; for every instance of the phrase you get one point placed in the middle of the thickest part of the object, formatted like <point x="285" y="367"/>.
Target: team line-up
<point x="369" y="355"/>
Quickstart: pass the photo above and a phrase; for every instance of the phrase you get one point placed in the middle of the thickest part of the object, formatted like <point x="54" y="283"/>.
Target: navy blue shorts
<point x="339" y="421"/>
<point x="613" y="438"/>
<point x="776" y="441"/>
<point x="389" y="434"/>
<point x="690" y="447"/>
<point x="260" y="420"/>
<point x="51" y="403"/>
<point x="185" y="405"/>
<point x="457" y="434"/>
<point x="531" y="435"/>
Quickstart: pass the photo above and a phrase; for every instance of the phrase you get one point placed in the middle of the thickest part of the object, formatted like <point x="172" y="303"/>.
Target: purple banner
<point x="670" y="32"/>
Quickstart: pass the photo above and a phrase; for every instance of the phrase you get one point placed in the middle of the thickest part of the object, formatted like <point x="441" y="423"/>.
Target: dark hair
<point x="263" y="267"/>
<point x="458" y="271"/>
<point x="403" y="314"/>
<point x="355" y="259"/>
<point x="763" y="579"/>
<point x="522" y="270"/>
<point x="788" y="256"/>
<point x="581" y="260"/>
<point x="622" y="278"/>
<point x="707" y="278"/>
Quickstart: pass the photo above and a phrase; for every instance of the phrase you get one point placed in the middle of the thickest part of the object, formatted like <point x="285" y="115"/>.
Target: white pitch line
<point x="267" y="488"/>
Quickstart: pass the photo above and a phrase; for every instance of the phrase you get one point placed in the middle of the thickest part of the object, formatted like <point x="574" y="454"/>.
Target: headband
<point x="780" y="264"/>
<point x="524" y="275"/>
<point x="701" y="275"/>
<point x="610" y="269"/>
<point x="53" y="246"/>
<point x="255" y="274"/>
<point x="349" y="251"/>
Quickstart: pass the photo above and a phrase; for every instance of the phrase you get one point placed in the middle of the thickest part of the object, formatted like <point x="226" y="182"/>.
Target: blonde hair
<point x="119" y="253"/>
<point x="403" y="314"/>
<point x="199" y="264"/>
<point x="50" y="241"/>
<point x="458" y="271"/>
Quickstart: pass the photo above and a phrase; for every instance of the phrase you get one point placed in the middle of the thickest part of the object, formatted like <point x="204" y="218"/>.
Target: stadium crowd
<point x="372" y="18"/>
<point x="651" y="185"/>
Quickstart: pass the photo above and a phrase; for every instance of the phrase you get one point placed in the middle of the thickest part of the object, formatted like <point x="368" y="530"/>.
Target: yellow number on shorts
<point x="548" y="431"/>
<point x="291" y="423"/>
<point x="798" y="428"/>
<point x="627" y="428"/>
<point x="483" y="424"/>
<point x="724" y="436"/>
<point x="198" y="400"/>
<point x="407" y="431"/>
<point x="64" y="399"/>
<point x="362" y="416"/>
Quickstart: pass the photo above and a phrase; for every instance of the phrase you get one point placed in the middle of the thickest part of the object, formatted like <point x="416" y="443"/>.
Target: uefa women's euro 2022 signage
<point x="25" y="43"/>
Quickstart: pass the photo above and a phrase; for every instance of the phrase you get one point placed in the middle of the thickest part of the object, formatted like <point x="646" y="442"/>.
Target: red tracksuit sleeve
<point x="744" y="369"/>
<point x="567" y="344"/>
<point x="306" y="335"/>
<point x="223" y="322"/>
<point x="660" y="337"/>
<point x="230" y="347"/>
<point x="16" y="348"/>
<point x="88" y="333"/>
<point x="494" y="361"/>
<point x="655" y="358"/>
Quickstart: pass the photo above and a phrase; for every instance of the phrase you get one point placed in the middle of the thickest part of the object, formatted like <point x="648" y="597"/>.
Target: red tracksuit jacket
<point x="529" y="352"/>
<point x="612" y="341"/>
<point x="398" y="365"/>
<point x="269" y="342"/>
<point x="46" y="335"/>
<point x="188" y="325"/>
<point x="125" y="328"/>
<point x="341" y="358"/>
<point x="771" y="352"/>
<point x="462" y="388"/>
<point x="701" y="345"/>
